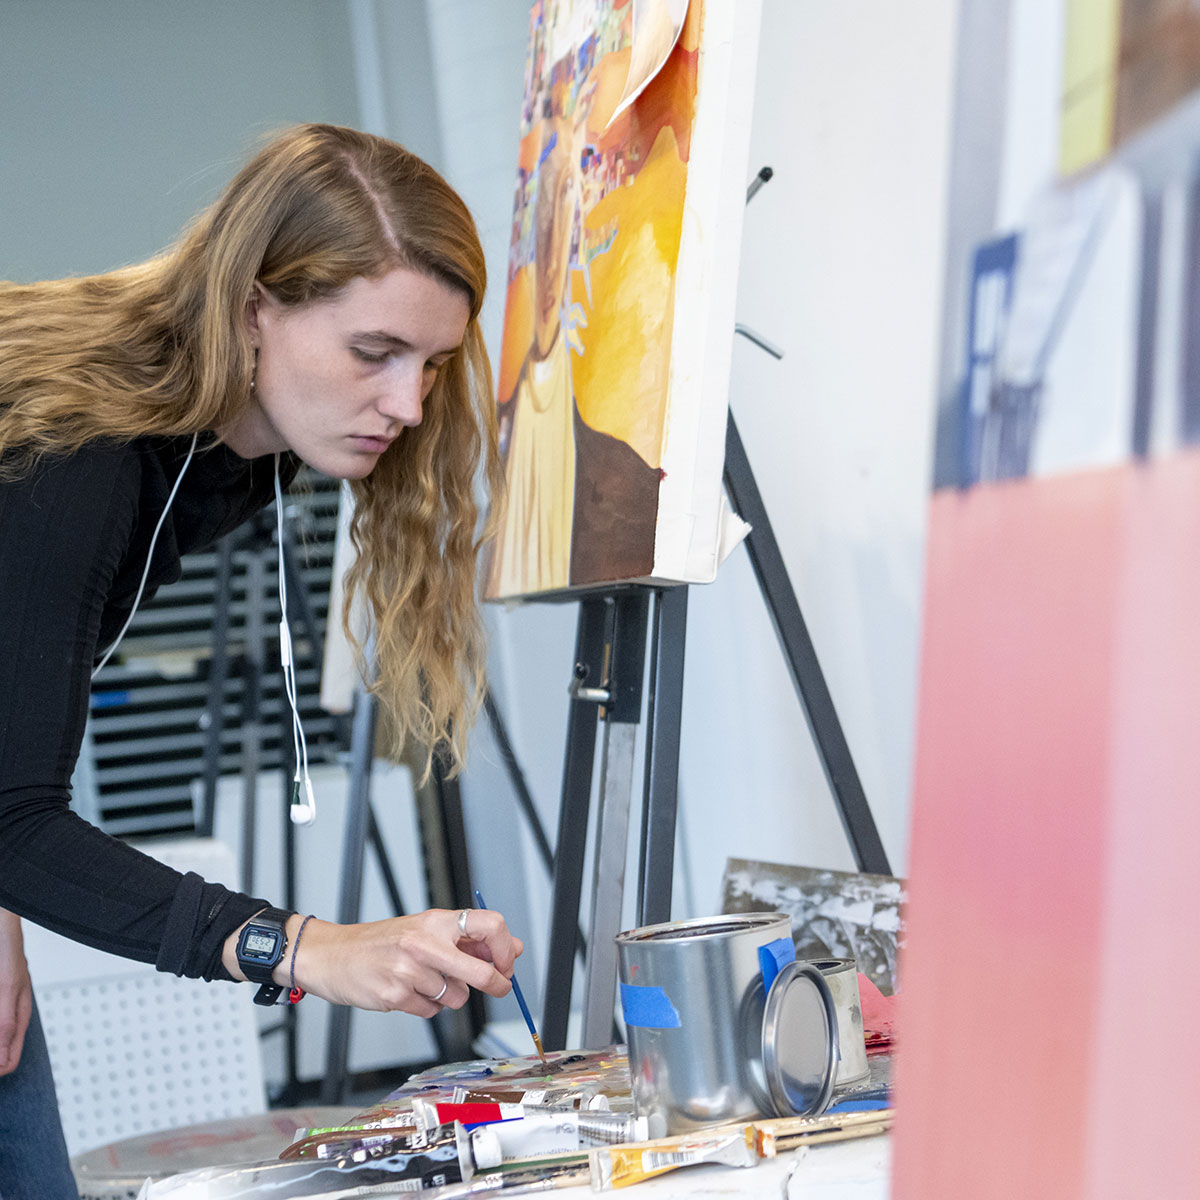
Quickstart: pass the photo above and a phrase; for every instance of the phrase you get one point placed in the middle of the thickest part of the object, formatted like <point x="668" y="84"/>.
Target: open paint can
<point x="723" y="1024"/>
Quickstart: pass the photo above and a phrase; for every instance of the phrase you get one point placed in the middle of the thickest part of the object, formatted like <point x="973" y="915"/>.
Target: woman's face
<point x="339" y="379"/>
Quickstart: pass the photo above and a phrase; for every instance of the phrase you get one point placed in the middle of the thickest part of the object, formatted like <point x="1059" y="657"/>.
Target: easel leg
<point x="664" y="719"/>
<point x="448" y="871"/>
<point x="517" y="778"/>
<point x="218" y="673"/>
<point x="817" y="703"/>
<point x="291" y="1044"/>
<point x="622" y="713"/>
<point x="608" y="891"/>
<point x="252" y="697"/>
<point x="572" y="832"/>
<point x="524" y="800"/>
<point x="362" y="754"/>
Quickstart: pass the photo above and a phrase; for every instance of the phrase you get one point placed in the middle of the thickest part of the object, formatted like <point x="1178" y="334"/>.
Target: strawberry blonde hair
<point x="163" y="348"/>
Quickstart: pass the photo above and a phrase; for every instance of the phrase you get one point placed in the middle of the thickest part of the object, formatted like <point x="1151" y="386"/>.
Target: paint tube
<point x="584" y="1099"/>
<point x="588" y="1098"/>
<point x="360" y="1148"/>
<point x="542" y="1133"/>
<point x="429" y="1114"/>
<point x="435" y="1167"/>
<point x="309" y="1143"/>
<point x="620" y="1166"/>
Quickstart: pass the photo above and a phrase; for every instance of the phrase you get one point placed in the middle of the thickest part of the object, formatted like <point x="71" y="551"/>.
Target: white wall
<point x="119" y="121"/>
<point x="843" y="267"/>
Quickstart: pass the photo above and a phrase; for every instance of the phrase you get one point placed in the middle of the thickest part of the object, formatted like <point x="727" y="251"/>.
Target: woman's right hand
<point x="400" y="964"/>
<point x="16" y="992"/>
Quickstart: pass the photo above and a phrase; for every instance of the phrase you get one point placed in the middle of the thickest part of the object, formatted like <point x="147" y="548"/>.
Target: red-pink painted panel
<point x="1006" y="871"/>
<point x="1045" y="1040"/>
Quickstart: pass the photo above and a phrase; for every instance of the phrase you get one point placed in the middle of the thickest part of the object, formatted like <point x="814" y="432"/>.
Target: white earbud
<point x="304" y="808"/>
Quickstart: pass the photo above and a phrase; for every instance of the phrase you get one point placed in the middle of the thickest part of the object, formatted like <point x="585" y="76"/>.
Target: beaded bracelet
<point x="295" y="947"/>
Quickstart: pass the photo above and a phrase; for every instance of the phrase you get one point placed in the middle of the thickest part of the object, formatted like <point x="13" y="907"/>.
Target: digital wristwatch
<point x="260" y="949"/>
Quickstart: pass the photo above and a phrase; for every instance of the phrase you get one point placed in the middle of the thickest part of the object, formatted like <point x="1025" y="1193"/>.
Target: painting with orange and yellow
<point x="610" y="92"/>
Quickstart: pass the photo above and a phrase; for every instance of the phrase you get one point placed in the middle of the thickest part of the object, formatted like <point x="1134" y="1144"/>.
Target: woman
<point x="325" y="309"/>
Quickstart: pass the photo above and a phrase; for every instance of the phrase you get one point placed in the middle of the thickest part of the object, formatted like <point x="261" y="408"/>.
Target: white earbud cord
<point x="149" y="557"/>
<point x="303" y="812"/>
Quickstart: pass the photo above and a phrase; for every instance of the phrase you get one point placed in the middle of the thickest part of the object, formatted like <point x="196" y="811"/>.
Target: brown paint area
<point x="616" y="509"/>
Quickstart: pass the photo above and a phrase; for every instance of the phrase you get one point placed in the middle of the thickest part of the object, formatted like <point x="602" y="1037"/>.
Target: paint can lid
<point x="800" y="1041"/>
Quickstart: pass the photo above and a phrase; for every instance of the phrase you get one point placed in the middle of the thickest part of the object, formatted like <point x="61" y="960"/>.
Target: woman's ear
<point x="257" y="297"/>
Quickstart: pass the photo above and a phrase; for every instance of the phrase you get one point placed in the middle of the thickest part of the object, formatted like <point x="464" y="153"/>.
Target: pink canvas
<point x="1054" y="843"/>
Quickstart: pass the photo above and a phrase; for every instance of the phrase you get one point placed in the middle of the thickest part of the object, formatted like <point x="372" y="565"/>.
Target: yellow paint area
<point x="1089" y="82"/>
<point x="518" y="331"/>
<point x="621" y="378"/>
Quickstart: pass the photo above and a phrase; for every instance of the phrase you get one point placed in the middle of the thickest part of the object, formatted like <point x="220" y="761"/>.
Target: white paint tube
<point x="541" y="1133"/>
<point x="430" y="1113"/>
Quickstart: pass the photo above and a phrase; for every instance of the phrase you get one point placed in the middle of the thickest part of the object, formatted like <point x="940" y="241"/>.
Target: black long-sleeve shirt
<point x="74" y="536"/>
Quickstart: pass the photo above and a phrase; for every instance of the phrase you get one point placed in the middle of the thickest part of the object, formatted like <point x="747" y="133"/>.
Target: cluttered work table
<point x="439" y="1134"/>
<point x="749" y="1072"/>
<point x="756" y="1066"/>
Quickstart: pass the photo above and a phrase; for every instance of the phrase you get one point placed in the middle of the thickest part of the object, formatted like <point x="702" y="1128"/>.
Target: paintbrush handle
<point x="516" y="987"/>
<point x="524" y="1007"/>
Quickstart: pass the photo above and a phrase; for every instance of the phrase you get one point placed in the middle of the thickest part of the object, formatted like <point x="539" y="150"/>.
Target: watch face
<point x="260" y="944"/>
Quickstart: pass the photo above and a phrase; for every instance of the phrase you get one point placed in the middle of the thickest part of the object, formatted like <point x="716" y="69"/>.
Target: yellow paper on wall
<point x="1089" y="82"/>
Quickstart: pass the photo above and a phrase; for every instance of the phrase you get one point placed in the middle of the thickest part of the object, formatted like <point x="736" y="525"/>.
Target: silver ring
<point x="462" y="921"/>
<point x="445" y="985"/>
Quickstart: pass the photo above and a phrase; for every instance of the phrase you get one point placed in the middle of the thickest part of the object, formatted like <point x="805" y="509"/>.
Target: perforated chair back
<point x="134" y="1050"/>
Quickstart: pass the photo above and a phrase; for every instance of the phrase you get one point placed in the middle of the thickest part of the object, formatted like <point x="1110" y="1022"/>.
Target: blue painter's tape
<point x="648" y="1007"/>
<point x="866" y="1104"/>
<point x="773" y="957"/>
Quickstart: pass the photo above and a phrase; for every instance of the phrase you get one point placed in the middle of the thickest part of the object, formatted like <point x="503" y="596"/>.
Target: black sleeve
<point x="64" y="528"/>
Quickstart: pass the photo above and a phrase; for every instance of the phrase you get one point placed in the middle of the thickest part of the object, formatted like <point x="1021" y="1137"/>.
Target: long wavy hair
<point x="164" y="348"/>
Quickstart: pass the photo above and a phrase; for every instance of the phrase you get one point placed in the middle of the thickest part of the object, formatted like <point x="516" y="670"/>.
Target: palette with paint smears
<point x="593" y="1072"/>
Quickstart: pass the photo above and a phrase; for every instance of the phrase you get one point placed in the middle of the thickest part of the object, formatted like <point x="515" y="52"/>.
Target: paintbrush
<point x="537" y="1041"/>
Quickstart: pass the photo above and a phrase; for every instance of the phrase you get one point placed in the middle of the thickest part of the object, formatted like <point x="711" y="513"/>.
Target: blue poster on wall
<point x="982" y="404"/>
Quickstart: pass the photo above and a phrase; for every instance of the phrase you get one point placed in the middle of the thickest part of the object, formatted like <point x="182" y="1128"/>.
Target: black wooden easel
<point x="610" y="649"/>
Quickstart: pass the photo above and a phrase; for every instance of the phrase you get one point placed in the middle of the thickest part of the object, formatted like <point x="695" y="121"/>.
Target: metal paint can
<point x="841" y="974"/>
<point x="693" y="995"/>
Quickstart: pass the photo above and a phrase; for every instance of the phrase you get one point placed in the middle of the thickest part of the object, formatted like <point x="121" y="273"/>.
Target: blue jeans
<point x="33" y="1153"/>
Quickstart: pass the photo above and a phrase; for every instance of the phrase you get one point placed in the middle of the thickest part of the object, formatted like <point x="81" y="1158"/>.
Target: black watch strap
<point x="262" y="944"/>
<point x="270" y="994"/>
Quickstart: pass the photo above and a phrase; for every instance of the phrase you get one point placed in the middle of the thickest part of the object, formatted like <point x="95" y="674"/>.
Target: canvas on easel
<point x="620" y="293"/>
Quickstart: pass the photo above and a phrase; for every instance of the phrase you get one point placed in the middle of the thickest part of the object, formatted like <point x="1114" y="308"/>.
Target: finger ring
<point x="445" y="985"/>
<point x="462" y="921"/>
